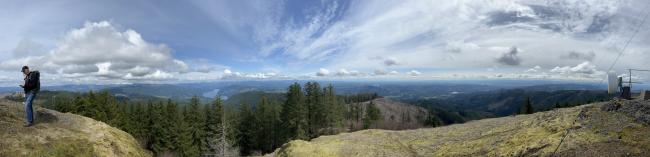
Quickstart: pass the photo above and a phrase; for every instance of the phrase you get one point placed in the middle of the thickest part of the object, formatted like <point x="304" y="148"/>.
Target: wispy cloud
<point x="337" y="38"/>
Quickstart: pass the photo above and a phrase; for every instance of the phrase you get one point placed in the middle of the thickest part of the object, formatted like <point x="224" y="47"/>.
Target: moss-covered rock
<point x="61" y="134"/>
<point x="592" y="132"/>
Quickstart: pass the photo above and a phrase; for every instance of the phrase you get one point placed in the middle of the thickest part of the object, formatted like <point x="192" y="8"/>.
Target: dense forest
<point x="168" y="128"/>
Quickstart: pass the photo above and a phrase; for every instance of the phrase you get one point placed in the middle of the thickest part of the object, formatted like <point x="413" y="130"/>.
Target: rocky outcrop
<point x="597" y="129"/>
<point x="61" y="134"/>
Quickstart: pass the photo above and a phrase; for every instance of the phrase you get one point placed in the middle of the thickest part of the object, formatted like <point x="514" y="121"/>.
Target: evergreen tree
<point x="316" y="113"/>
<point x="372" y="115"/>
<point x="334" y="108"/>
<point x="276" y="125"/>
<point x="122" y="119"/>
<point x="294" y="115"/>
<point x="80" y="106"/>
<point x="268" y="117"/>
<point x="247" y="130"/>
<point x="213" y="125"/>
<point x="196" y="121"/>
<point x="432" y="119"/>
<point x="527" y="107"/>
<point x="156" y="128"/>
<point x="186" y="144"/>
<point x="171" y="129"/>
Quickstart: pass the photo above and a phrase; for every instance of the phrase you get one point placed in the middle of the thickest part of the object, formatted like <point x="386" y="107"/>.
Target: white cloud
<point x="353" y="73"/>
<point x="582" y="68"/>
<point x="534" y="69"/>
<point x="322" y="72"/>
<point x="99" y="50"/>
<point x="414" y="73"/>
<point x="227" y="72"/>
<point x="422" y="33"/>
<point x="416" y="34"/>
<point x="230" y="75"/>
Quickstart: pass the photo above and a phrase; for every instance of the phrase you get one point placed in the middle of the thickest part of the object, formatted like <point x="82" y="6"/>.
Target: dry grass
<point x="597" y="133"/>
<point x="61" y="134"/>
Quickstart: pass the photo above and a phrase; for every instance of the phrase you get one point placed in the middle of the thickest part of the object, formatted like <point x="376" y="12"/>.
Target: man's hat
<point x="23" y="69"/>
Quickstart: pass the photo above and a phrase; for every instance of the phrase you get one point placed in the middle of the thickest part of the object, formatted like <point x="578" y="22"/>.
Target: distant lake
<point x="211" y="94"/>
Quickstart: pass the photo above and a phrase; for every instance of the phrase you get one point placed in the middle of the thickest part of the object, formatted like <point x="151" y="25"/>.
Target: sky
<point x="140" y="41"/>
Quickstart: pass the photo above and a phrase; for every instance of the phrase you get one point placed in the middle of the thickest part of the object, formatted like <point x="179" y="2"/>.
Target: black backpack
<point x="35" y="79"/>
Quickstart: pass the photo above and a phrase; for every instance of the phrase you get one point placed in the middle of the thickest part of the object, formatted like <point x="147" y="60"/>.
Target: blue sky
<point x="75" y="41"/>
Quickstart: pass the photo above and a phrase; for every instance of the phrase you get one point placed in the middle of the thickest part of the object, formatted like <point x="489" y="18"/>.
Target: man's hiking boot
<point x="28" y="125"/>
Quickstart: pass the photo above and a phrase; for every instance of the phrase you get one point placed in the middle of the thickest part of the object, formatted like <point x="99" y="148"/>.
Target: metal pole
<point x="630" y="83"/>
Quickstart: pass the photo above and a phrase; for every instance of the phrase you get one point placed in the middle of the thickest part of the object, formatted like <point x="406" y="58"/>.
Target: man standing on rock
<point x="31" y="86"/>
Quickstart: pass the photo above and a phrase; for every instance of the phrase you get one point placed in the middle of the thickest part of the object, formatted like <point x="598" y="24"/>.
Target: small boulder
<point x="610" y="106"/>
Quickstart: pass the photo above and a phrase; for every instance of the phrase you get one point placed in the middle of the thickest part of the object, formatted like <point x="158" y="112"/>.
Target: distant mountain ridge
<point x="508" y="101"/>
<point x="403" y="90"/>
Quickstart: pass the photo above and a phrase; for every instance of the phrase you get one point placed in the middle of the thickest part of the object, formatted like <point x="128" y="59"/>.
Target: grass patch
<point x="65" y="147"/>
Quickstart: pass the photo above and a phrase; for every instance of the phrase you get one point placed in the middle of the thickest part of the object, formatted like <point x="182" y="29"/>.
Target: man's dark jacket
<point x="32" y="82"/>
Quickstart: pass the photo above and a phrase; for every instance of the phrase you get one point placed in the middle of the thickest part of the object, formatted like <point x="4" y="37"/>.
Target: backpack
<point x="35" y="79"/>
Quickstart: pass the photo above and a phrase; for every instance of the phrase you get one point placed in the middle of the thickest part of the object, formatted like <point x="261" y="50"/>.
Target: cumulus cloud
<point x="383" y="72"/>
<point x="510" y="57"/>
<point x="322" y="72"/>
<point x="230" y="75"/>
<point x="227" y="72"/>
<point x="583" y="68"/>
<point x="535" y="69"/>
<point x="345" y="72"/>
<point x="414" y="73"/>
<point x="100" y="50"/>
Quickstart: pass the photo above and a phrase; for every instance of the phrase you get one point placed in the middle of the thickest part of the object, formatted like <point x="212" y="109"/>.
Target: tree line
<point x="212" y="129"/>
<point x="527" y="106"/>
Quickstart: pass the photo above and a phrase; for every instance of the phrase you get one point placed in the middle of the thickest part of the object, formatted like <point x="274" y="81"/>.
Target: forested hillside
<point x="167" y="127"/>
<point x="507" y="102"/>
<point x="463" y="107"/>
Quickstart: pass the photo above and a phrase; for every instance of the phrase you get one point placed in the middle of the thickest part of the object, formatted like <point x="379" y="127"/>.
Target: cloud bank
<point x="99" y="50"/>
